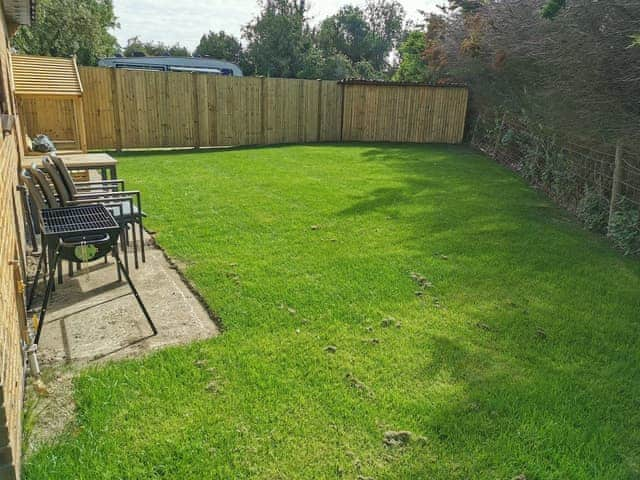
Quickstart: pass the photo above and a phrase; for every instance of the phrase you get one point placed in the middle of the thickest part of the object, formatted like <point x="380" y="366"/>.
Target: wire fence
<point x="563" y="167"/>
<point x="597" y="181"/>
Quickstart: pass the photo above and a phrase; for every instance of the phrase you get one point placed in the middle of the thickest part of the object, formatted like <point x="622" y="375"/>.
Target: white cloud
<point x="185" y="21"/>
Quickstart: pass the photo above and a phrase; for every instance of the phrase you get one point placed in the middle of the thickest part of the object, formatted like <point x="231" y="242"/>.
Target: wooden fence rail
<point x="145" y="109"/>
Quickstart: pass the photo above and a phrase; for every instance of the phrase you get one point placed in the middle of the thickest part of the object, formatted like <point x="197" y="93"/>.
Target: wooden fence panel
<point x="98" y="107"/>
<point x="143" y="109"/>
<point x="390" y="113"/>
<point x="330" y="114"/>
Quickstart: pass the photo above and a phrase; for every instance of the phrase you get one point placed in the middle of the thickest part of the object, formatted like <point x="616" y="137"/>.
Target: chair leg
<point x="123" y="245"/>
<point x="114" y="254"/>
<point x="135" y="245"/>
<point x="141" y="239"/>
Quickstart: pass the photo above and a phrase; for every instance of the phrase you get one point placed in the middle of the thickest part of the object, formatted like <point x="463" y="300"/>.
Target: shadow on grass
<point x="545" y="356"/>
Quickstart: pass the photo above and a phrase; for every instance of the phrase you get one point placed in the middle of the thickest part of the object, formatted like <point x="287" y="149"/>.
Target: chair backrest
<point x="35" y="195"/>
<point x="64" y="196"/>
<point x="65" y="174"/>
<point x="41" y="180"/>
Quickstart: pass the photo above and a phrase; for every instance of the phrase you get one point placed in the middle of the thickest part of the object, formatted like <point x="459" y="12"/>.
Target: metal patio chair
<point x="37" y="182"/>
<point x="70" y="193"/>
<point x="84" y="189"/>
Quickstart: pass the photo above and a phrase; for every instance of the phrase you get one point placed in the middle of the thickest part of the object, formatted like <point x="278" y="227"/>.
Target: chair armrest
<point x="114" y="185"/>
<point x="113" y="201"/>
<point x="110" y="195"/>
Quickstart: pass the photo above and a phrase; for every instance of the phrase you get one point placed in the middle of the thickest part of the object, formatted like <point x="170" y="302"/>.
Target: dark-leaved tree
<point x="70" y="27"/>
<point x="220" y="45"/>
<point x="136" y="47"/>
<point x="278" y="39"/>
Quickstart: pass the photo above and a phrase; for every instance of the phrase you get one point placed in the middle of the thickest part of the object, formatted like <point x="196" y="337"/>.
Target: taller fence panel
<point x="404" y="113"/>
<point x="143" y="109"/>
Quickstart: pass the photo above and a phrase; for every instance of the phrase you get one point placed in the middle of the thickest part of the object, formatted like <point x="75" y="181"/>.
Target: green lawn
<point x="513" y="346"/>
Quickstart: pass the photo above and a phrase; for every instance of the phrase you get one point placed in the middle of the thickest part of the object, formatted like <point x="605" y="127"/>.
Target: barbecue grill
<point x="79" y="234"/>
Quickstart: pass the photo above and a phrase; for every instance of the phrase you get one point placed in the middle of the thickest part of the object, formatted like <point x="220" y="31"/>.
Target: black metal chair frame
<point x="85" y="189"/>
<point x="70" y="192"/>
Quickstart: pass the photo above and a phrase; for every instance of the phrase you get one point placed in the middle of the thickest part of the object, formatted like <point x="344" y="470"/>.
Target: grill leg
<point x="59" y="273"/>
<point x="135" y="294"/>
<point x="45" y="303"/>
<point x="51" y="268"/>
<point x="36" y="279"/>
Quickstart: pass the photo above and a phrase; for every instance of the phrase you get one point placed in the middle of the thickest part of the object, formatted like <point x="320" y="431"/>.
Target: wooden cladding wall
<point x="145" y="109"/>
<point x="53" y="116"/>
<point x="11" y="314"/>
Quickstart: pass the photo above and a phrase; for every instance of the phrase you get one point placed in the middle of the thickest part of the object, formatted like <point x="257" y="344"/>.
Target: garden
<point x="388" y="311"/>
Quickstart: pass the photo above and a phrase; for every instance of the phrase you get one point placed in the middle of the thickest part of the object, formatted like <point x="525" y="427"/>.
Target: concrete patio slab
<point x="94" y="317"/>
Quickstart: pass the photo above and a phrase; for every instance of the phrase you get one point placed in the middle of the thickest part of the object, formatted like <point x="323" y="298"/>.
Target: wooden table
<point x="84" y="161"/>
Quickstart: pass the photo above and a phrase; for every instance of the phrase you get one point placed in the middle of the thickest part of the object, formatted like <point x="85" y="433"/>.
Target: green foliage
<point x="278" y="40"/>
<point x="552" y="8"/>
<point x="220" y="45"/>
<point x="337" y="67"/>
<point x="346" y="32"/>
<point x="593" y="210"/>
<point x="624" y="228"/>
<point x="70" y="27"/>
<point x="154" y="49"/>
<point x="466" y="6"/>
<point x="519" y="361"/>
<point x="412" y="64"/>
<point x="363" y="35"/>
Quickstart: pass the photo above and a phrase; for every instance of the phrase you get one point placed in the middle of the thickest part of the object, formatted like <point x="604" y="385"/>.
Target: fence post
<point x="618" y="174"/>
<point x="302" y="133"/>
<point x="117" y="113"/>
<point x="319" y="132"/>
<point x="342" y="91"/>
<point x="196" y="112"/>
<point x="263" y="111"/>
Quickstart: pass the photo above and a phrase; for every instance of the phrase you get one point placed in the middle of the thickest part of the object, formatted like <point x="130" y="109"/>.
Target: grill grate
<point x="85" y="218"/>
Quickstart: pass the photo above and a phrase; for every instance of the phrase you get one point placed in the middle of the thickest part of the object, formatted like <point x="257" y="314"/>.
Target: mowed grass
<point x="520" y="356"/>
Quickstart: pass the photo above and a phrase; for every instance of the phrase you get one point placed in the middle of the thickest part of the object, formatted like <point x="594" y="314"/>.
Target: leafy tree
<point x="279" y="39"/>
<point x="220" y="45"/>
<point x="337" y="67"/>
<point x="386" y="21"/>
<point x="413" y="67"/>
<point x="136" y="47"/>
<point x="70" y="27"/>
<point x="366" y="35"/>
<point x="347" y="32"/>
<point x="574" y="75"/>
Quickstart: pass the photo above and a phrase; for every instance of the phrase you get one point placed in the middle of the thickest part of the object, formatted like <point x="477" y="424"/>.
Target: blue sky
<point x="185" y="21"/>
